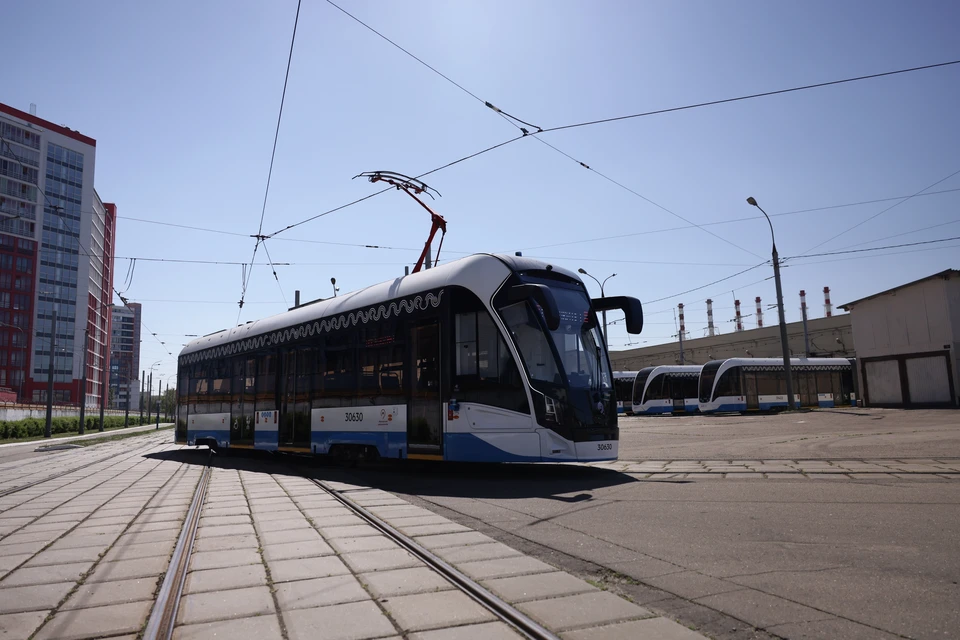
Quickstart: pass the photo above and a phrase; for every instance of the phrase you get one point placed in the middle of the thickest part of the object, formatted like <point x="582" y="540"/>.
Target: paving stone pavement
<point x="81" y="555"/>
<point x="288" y="560"/>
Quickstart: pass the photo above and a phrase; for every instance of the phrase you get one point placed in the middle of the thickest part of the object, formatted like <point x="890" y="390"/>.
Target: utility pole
<point x="104" y="388"/>
<point x="126" y="404"/>
<point x="143" y="376"/>
<point x="83" y="384"/>
<point x="48" y="430"/>
<point x="159" y="398"/>
<point x="149" y="394"/>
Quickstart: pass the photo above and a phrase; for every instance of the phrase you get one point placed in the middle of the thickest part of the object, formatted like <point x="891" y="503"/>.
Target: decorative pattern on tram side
<point x="315" y="327"/>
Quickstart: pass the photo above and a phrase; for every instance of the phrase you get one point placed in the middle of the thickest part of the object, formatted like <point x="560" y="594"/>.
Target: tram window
<point x="638" y="386"/>
<point x="339" y="378"/>
<point x="688" y="387"/>
<point x="266" y="383"/>
<point x="485" y="371"/>
<point x="381" y="374"/>
<point x="654" y="389"/>
<point x="729" y="383"/>
<point x="532" y="343"/>
<point x="466" y="330"/>
<point x="768" y="383"/>
<point x="220" y="378"/>
<point x="249" y="376"/>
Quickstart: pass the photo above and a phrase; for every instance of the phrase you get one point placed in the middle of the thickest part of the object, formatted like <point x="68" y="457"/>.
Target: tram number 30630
<point x="354" y="417"/>
<point x="605" y="446"/>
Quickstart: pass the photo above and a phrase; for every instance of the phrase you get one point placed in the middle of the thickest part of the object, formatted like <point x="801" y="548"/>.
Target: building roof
<point x="40" y="122"/>
<point x="946" y="275"/>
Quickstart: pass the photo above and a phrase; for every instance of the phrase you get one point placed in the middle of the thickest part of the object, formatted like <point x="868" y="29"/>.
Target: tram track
<point x="479" y="594"/>
<point x="163" y="616"/>
<point x="18" y="488"/>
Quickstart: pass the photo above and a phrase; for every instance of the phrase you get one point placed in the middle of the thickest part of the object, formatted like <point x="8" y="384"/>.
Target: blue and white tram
<point x="666" y="389"/>
<point x="747" y="384"/>
<point x="487" y="358"/>
<point x="623" y="389"/>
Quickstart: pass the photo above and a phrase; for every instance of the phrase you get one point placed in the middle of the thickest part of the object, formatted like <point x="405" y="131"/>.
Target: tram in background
<point x="623" y="389"/>
<point x="666" y="389"/>
<point x="759" y="384"/>
<point x="486" y="358"/>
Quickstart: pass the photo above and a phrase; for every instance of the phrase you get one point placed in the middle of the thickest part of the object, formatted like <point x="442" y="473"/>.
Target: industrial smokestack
<point x="683" y="327"/>
<point x="759" y="313"/>
<point x="736" y="304"/>
<point x="711" y="331"/>
<point x="827" y="307"/>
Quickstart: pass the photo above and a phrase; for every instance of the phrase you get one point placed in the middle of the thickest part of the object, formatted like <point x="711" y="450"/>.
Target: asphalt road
<point x="795" y="555"/>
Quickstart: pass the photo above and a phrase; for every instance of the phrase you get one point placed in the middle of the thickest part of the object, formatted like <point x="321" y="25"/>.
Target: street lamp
<point x="150" y="388"/>
<point x="333" y="281"/>
<point x="784" y="345"/>
<point x="583" y="271"/>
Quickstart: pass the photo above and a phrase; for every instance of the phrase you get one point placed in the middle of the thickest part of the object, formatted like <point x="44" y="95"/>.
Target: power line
<point x="646" y="199"/>
<point x="273" y="154"/>
<point x="377" y="193"/>
<point x="734" y="220"/>
<point x="905" y="233"/>
<point x="751" y="96"/>
<point x="892" y="246"/>
<point x="709" y="284"/>
<point x="863" y="222"/>
<point x="868" y="257"/>
<point x="511" y="120"/>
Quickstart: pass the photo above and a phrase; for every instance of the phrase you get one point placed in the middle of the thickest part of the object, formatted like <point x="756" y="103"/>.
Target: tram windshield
<point x="573" y="354"/>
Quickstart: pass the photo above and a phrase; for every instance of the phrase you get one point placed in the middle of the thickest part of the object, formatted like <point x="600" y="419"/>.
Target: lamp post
<point x="333" y="281"/>
<point x="150" y="388"/>
<point x="583" y="271"/>
<point x="784" y="345"/>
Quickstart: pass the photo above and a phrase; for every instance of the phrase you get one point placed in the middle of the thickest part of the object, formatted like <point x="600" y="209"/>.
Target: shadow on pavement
<point x="564" y="483"/>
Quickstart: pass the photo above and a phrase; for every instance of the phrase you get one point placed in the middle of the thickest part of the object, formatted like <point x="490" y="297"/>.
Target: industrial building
<point x="827" y="337"/>
<point x="57" y="240"/>
<point x="908" y="343"/>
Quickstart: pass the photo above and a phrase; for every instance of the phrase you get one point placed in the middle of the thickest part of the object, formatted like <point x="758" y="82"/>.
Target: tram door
<point x="295" y="417"/>
<point x="424" y="412"/>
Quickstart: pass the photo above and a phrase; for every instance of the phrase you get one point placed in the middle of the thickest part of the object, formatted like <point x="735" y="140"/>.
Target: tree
<point x="168" y="402"/>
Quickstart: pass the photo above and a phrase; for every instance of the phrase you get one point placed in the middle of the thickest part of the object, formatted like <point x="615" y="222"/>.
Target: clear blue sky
<point x="182" y="99"/>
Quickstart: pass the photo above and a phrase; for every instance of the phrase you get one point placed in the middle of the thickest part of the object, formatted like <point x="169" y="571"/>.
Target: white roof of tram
<point x="481" y="273"/>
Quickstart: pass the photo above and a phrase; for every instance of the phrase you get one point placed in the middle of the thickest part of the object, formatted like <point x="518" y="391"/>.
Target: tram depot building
<point x="906" y="342"/>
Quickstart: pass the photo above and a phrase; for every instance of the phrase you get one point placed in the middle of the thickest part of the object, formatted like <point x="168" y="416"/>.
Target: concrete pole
<point x="143" y="377"/>
<point x="803" y="313"/>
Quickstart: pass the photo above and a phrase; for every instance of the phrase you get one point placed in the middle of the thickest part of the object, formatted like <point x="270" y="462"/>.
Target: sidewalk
<point x="88" y="436"/>
<point x="275" y="550"/>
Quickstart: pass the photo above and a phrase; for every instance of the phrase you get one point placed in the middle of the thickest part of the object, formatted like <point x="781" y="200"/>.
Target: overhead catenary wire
<point x="868" y="249"/>
<point x="513" y="121"/>
<point x="751" y="96"/>
<point x="904" y="233"/>
<point x="733" y="220"/>
<point x="878" y="214"/>
<point x="273" y="155"/>
<point x="536" y="134"/>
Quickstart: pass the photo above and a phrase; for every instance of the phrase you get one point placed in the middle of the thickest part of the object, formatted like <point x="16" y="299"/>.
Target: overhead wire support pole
<point x="413" y="187"/>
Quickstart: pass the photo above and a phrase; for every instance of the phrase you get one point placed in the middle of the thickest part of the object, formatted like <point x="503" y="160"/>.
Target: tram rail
<point x="18" y="488"/>
<point x="498" y="607"/>
<point x="163" y="616"/>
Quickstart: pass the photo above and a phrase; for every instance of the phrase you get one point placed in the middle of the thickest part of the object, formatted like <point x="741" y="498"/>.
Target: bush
<point x="35" y="427"/>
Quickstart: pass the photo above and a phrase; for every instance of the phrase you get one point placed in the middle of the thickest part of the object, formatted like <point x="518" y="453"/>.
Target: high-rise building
<point x="125" y="356"/>
<point x="56" y="259"/>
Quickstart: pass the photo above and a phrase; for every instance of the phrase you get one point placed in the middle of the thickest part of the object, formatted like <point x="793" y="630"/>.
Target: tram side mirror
<point x="542" y="295"/>
<point x="631" y="308"/>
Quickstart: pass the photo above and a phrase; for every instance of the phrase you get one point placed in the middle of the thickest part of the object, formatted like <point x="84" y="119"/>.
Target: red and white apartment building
<point x="57" y="247"/>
